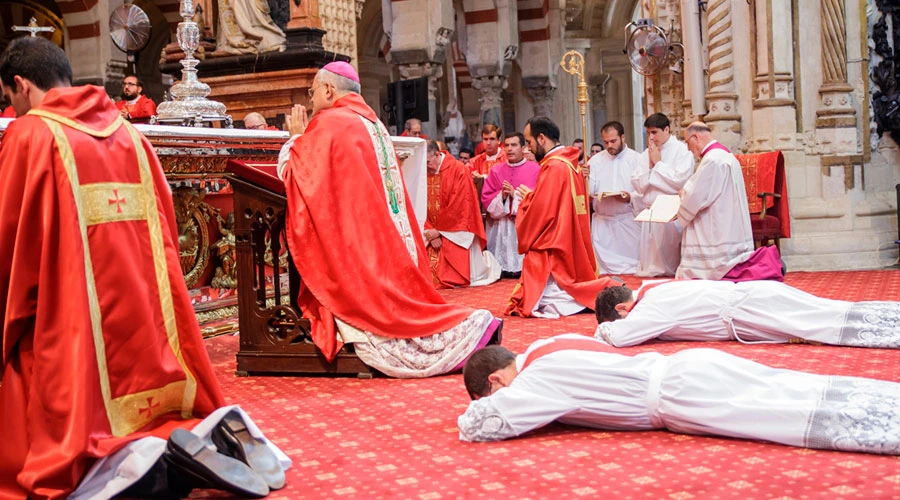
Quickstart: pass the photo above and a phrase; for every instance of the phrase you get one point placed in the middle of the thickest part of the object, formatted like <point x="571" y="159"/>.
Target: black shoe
<point x="207" y="468"/>
<point x="497" y="337"/>
<point x="232" y="438"/>
<point x="510" y="274"/>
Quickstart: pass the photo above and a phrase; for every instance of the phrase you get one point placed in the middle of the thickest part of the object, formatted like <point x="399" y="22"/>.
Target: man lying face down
<point x="581" y="381"/>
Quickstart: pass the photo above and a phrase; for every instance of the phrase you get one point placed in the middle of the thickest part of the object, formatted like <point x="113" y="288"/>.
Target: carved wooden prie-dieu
<point x="275" y="337"/>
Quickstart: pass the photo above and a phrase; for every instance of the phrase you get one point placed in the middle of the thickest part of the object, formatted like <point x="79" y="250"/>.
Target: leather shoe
<point x="199" y="460"/>
<point x="497" y="337"/>
<point x="232" y="438"/>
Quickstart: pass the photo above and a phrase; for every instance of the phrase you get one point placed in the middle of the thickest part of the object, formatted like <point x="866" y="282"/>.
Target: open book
<point x="608" y="194"/>
<point x="664" y="209"/>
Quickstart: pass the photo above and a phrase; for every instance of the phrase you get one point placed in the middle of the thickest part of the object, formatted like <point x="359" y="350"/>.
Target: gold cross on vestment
<point x="118" y="202"/>
<point x="150" y="407"/>
<point x="33" y="28"/>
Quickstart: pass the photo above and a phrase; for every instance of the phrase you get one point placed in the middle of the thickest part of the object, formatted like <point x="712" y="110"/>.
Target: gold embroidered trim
<point x="106" y="132"/>
<point x="162" y="271"/>
<point x="112" y="202"/>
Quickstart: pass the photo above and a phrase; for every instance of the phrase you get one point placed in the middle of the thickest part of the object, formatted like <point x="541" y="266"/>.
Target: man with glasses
<point x="354" y="237"/>
<point x="714" y="212"/>
<point x="134" y="106"/>
<point x="256" y="121"/>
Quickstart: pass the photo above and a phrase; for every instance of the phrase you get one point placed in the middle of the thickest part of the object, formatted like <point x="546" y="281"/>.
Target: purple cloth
<point x="526" y="174"/>
<point x="763" y="264"/>
<point x="488" y="333"/>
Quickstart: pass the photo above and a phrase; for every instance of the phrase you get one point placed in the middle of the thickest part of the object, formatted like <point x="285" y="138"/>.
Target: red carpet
<point x="387" y="438"/>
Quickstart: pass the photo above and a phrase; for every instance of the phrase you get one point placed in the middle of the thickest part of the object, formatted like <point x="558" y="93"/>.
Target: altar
<point x="194" y="160"/>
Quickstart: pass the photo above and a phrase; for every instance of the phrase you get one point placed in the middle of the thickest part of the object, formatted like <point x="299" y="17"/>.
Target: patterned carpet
<point x="385" y="438"/>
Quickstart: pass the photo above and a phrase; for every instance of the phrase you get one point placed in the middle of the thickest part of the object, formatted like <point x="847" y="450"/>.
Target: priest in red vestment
<point x="454" y="231"/>
<point x="135" y="106"/>
<point x="559" y="270"/>
<point x="100" y="345"/>
<point x="355" y="240"/>
<point x="491" y="137"/>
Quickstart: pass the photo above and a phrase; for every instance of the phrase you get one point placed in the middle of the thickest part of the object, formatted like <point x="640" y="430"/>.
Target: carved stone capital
<point x="542" y="98"/>
<point x="417" y="70"/>
<point x="722" y="106"/>
<point x="491" y="88"/>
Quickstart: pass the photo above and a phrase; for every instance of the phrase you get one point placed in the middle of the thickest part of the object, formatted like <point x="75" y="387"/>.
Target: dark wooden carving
<point x="886" y="74"/>
<point x="275" y="338"/>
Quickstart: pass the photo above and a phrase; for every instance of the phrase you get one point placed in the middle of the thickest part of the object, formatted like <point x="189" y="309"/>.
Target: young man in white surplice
<point x="580" y="381"/>
<point x="614" y="233"/>
<point x="665" y="167"/>
<point x="749" y="312"/>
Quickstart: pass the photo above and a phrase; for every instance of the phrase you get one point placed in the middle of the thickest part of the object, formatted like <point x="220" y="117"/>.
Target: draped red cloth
<point x="100" y="342"/>
<point x="553" y="226"/>
<point x="141" y="111"/>
<point x="8" y="112"/>
<point x="481" y="165"/>
<point x="452" y="206"/>
<point x="764" y="173"/>
<point x="353" y="263"/>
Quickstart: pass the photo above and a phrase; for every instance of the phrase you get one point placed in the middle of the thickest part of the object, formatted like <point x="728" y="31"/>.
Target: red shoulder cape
<point x="115" y="309"/>
<point x="481" y="165"/>
<point x="554" y="235"/>
<point x="353" y="263"/>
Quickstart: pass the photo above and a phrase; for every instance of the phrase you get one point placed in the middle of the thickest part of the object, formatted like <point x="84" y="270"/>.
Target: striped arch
<point x="535" y="39"/>
<point x="82" y="19"/>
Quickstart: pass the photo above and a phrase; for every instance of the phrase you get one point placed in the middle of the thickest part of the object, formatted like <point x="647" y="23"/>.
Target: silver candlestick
<point x="189" y="105"/>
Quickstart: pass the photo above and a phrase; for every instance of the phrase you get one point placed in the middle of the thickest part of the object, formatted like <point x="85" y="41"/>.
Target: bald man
<point x="256" y="121"/>
<point x="714" y="212"/>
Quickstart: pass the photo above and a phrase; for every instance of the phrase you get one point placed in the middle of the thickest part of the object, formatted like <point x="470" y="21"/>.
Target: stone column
<point x="835" y="118"/>
<point x="774" y="107"/>
<point x="304" y="17"/>
<point x="491" y="89"/>
<point x="723" y="115"/>
<point x="434" y="72"/>
<point x="541" y="92"/>
<point x="665" y="90"/>
<point x="598" y="112"/>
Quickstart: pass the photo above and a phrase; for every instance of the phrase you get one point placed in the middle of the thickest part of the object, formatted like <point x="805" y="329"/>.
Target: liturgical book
<point x="664" y="209"/>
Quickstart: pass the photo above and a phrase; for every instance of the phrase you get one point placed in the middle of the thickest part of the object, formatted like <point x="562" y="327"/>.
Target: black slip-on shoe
<point x="232" y="438"/>
<point x="497" y="337"/>
<point x="199" y="459"/>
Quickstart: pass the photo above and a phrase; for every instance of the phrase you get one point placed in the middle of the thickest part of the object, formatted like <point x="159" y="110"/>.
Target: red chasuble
<point x="141" y="111"/>
<point x="481" y="165"/>
<point x="100" y="343"/>
<point x="553" y="226"/>
<point x="452" y="206"/>
<point x="9" y="112"/>
<point x="354" y="263"/>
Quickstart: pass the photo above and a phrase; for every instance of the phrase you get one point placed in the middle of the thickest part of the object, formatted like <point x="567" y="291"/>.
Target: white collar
<point x="518" y="163"/>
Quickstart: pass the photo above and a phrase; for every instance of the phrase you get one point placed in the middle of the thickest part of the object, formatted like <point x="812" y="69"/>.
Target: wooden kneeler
<point x="275" y="337"/>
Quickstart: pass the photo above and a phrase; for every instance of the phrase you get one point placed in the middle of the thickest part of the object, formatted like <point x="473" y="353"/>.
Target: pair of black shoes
<point x="233" y="460"/>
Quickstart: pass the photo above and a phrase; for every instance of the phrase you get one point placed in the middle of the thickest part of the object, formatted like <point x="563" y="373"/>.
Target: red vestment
<point x="354" y="264"/>
<point x="452" y="206"/>
<point x="481" y="165"/>
<point x="100" y="343"/>
<point x="8" y="112"/>
<point x="139" y="112"/>
<point x="553" y="226"/>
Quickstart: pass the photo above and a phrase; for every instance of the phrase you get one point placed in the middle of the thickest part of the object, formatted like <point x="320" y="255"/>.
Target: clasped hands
<point x="433" y="238"/>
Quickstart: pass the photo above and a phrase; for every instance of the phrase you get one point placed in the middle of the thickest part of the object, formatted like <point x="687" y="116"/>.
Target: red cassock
<point x="553" y="226"/>
<point x="481" y="165"/>
<point x="139" y="112"/>
<point x="100" y="343"/>
<point x="452" y="206"/>
<point x="9" y="112"/>
<point x="353" y="262"/>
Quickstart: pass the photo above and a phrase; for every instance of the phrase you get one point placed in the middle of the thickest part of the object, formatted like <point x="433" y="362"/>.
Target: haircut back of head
<point x="481" y="364"/>
<point x="543" y="125"/>
<point x="35" y="59"/>
<point x="657" y="120"/>
<point x="607" y="300"/>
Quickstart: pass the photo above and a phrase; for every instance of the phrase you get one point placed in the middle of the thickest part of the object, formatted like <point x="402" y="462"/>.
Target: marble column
<point x="774" y="107"/>
<point x="598" y="112"/>
<point x="541" y="92"/>
<point x="723" y="116"/>
<point x="491" y="89"/>
<point x="835" y="117"/>
<point x="434" y="72"/>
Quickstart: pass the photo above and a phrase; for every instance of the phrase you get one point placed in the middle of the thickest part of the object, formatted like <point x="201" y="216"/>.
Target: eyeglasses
<point x="261" y="126"/>
<point x="312" y="90"/>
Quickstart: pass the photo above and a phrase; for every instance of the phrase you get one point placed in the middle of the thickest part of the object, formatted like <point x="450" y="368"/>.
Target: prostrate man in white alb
<point x="502" y="205"/>
<point x="580" y="381"/>
<point x="665" y="166"/>
<point x="748" y="312"/>
<point x="714" y="214"/>
<point x="614" y="233"/>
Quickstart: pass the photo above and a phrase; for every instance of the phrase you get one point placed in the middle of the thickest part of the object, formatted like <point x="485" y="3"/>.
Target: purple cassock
<point x="525" y="173"/>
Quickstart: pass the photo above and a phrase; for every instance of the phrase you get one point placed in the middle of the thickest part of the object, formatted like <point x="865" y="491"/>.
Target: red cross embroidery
<point x="149" y="408"/>
<point x="118" y="202"/>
